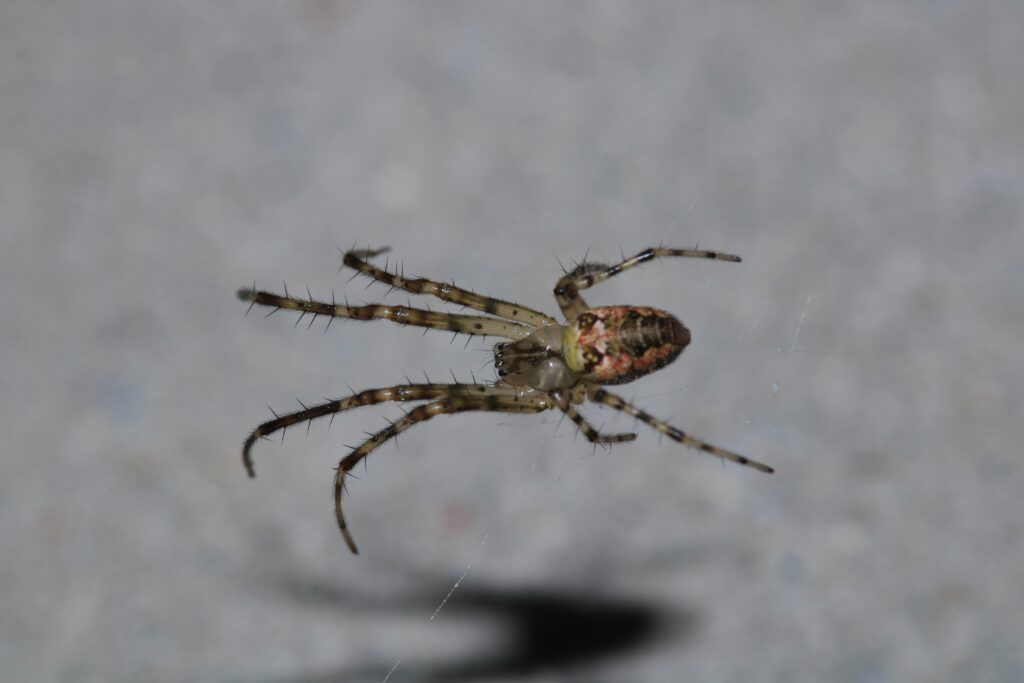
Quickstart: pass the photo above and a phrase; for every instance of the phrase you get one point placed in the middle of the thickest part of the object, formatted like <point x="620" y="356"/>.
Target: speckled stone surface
<point x="866" y="159"/>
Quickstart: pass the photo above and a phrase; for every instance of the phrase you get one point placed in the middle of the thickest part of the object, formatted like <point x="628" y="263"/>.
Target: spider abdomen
<point x="618" y="344"/>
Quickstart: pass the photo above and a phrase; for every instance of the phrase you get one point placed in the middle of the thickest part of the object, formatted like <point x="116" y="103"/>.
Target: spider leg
<point x="609" y="399"/>
<point x="568" y="287"/>
<point x="400" y="392"/>
<point x="404" y="315"/>
<point x="592" y="434"/>
<point x="491" y="400"/>
<point x="503" y="309"/>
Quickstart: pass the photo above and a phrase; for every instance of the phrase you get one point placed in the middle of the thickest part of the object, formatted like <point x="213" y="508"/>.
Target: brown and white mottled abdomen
<point x="618" y="344"/>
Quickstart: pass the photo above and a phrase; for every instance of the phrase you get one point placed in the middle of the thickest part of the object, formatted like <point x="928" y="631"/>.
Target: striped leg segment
<point x="401" y="392"/>
<point x="445" y="292"/>
<point x="492" y="400"/>
<point x="601" y="396"/>
<point x="567" y="290"/>
<point x="593" y="436"/>
<point x="404" y="315"/>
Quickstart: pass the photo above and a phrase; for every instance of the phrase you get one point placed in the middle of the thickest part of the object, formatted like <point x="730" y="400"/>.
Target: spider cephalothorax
<point x="546" y="365"/>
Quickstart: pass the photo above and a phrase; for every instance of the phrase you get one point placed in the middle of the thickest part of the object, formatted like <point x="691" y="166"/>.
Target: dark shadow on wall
<point x="544" y="632"/>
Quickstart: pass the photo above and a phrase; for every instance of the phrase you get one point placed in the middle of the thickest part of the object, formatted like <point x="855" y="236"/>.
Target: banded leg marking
<point x="445" y="292"/>
<point x="404" y="315"/>
<point x="589" y="431"/>
<point x="585" y="275"/>
<point x="610" y="399"/>
<point x="493" y="400"/>
<point x="400" y="392"/>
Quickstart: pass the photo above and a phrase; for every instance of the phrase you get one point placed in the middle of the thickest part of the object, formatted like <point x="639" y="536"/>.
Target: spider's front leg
<point x="369" y="397"/>
<point x="567" y="290"/>
<point x="493" y="399"/>
<point x="479" y="325"/>
<point x="357" y="260"/>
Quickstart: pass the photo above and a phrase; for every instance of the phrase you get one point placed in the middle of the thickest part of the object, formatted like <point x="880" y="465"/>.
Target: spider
<point x="545" y="365"/>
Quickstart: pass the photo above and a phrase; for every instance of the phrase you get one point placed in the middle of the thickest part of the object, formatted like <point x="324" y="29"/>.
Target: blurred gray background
<point x="865" y="158"/>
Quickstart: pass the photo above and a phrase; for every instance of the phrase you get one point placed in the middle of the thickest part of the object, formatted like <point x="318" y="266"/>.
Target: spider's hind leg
<point x="585" y="275"/>
<point x="609" y="399"/>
